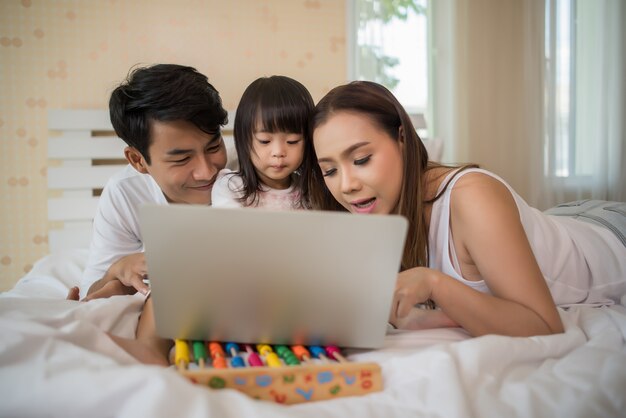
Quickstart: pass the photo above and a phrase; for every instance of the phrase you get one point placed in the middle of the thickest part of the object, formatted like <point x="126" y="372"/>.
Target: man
<point x="170" y="117"/>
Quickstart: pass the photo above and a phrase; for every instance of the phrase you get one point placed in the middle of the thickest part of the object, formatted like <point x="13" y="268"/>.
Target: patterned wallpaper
<point x="70" y="53"/>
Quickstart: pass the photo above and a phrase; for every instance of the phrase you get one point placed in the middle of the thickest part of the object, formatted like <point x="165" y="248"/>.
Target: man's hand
<point x="111" y="288"/>
<point x="73" y="294"/>
<point x="130" y="270"/>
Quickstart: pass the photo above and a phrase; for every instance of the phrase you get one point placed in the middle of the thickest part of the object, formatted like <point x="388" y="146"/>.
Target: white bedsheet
<point x="56" y="360"/>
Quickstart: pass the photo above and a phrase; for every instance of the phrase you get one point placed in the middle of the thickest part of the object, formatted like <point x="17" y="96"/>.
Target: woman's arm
<point x="491" y="244"/>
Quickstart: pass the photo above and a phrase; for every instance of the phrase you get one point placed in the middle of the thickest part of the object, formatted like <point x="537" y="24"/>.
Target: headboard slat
<point x="72" y="208"/>
<point x="90" y="148"/>
<point x="89" y="177"/>
<point x="60" y="239"/>
<point x="79" y="120"/>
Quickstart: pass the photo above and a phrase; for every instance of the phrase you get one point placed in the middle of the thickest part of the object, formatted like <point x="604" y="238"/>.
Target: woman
<point x="489" y="262"/>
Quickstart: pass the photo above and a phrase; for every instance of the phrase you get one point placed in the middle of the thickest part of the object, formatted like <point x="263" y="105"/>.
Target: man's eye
<point x="361" y="161"/>
<point x="328" y="173"/>
<point x="181" y="161"/>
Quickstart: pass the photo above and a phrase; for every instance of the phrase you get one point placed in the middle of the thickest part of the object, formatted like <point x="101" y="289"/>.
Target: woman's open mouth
<point x="364" y="205"/>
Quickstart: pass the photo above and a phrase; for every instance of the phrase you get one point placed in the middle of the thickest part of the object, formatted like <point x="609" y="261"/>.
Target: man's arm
<point x="115" y="234"/>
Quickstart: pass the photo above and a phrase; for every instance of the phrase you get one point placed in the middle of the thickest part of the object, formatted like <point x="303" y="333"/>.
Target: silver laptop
<point x="256" y="276"/>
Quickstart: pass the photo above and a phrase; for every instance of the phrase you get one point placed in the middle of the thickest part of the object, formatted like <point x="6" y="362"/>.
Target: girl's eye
<point x="294" y="142"/>
<point x="361" y="161"/>
<point x="264" y="141"/>
<point x="329" y="172"/>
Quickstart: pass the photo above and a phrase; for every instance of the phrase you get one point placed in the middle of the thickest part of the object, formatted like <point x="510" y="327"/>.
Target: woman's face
<point x="362" y="165"/>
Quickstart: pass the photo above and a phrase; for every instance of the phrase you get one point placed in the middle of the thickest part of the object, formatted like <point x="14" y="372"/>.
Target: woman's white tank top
<point x="580" y="261"/>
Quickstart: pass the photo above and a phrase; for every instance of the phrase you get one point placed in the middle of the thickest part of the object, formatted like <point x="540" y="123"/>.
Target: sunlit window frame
<point x="351" y="39"/>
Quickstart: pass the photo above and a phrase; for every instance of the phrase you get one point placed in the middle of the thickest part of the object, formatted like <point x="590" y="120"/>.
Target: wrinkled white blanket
<point x="56" y="360"/>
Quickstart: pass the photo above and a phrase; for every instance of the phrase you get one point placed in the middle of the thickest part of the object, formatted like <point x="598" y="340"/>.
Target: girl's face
<point x="275" y="156"/>
<point x="362" y="165"/>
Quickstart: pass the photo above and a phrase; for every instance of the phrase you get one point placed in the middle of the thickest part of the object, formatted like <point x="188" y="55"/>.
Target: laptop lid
<point x="256" y="276"/>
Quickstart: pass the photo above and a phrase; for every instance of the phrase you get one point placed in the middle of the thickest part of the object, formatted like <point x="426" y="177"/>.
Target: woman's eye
<point x="361" y="161"/>
<point x="329" y="172"/>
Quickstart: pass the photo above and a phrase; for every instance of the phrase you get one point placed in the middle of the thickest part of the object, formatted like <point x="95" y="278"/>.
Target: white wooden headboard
<point x="83" y="152"/>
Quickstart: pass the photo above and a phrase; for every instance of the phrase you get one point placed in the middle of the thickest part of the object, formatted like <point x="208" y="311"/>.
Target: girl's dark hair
<point x="276" y="104"/>
<point x="163" y="92"/>
<point x="383" y="109"/>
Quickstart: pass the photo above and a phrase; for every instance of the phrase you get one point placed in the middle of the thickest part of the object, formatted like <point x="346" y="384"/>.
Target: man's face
<point x="184" y="161"/>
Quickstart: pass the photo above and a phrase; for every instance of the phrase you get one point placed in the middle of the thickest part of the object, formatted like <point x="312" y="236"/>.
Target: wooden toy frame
<point x="294" y="384"/>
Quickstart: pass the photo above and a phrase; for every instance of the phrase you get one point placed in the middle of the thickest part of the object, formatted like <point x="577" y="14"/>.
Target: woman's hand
<point x="423" y="319"/>
<point x="413" y="286"/>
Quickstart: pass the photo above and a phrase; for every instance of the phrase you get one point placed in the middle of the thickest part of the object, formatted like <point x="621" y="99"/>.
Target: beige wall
<point x="499" y="89"/>
<point x="60" y="54"/>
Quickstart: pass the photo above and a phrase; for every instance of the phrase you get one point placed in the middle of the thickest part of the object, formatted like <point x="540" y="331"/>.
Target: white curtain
<point x="495" y="95"/>
<point x="584" y="152"/>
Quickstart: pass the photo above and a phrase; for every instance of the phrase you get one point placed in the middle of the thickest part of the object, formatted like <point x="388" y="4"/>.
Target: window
<point x="390" y="46"/>
<point x="560" y="82"/>
<point x="576" y="89"/>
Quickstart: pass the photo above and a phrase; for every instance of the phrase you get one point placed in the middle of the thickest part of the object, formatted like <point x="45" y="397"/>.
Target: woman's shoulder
<point x="477" y="178"/>
<point x="481" y="195"/>
<point x="442" y="179"/>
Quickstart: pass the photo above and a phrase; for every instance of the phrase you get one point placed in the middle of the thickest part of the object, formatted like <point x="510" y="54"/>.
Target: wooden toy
<point x="281" y="374"/>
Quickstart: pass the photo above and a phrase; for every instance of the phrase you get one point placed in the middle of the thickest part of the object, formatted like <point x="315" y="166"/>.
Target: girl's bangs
<point x="275" y="115"/>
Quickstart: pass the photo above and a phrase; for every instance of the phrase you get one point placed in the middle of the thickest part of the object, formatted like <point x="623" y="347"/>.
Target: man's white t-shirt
<point x="116" y="226"/>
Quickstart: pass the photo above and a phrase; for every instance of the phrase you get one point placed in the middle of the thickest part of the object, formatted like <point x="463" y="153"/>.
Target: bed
<point x="56" y="358"/>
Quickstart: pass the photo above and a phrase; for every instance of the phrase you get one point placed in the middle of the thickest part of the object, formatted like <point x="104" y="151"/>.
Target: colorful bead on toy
<point x="181" y="358"/>
<point x="253" y="358"/>
<point x="318" y="352"/>
<point x="302" y="353"/>
<point x="334" y="353"/>
<point x="271" y="358"/>
<point x="235" y="358"/>
<point x="199" y="353"/>
<point x="218" y="355"/>
<point x="287" y="355"/>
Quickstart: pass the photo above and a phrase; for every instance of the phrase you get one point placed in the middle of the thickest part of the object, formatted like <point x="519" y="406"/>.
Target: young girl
<point x="271" y="137"/>
<point x="488" y="261"/>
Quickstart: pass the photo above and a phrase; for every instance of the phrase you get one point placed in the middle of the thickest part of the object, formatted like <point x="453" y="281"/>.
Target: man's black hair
<point x="163" y="92"/>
